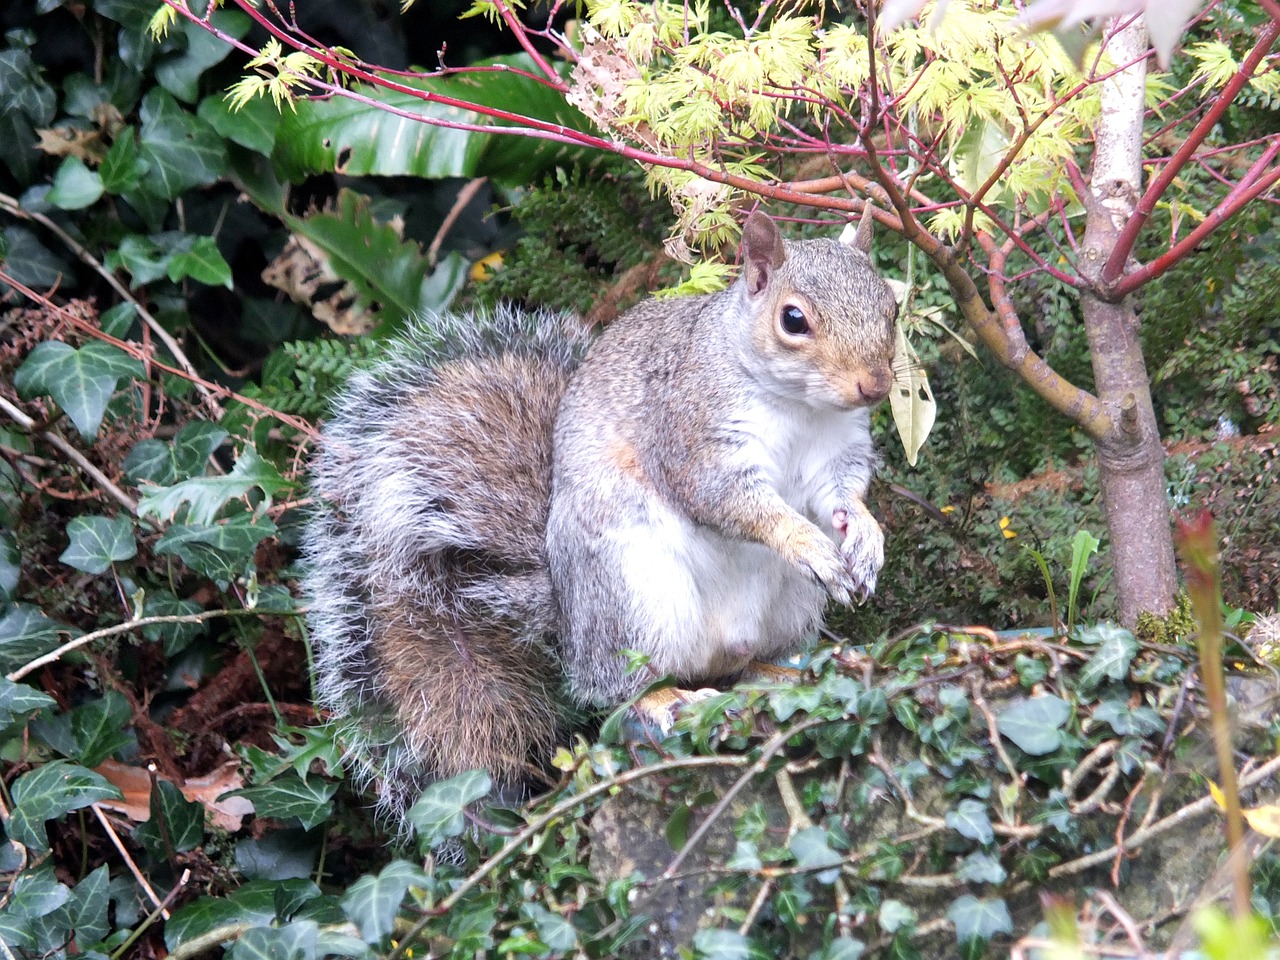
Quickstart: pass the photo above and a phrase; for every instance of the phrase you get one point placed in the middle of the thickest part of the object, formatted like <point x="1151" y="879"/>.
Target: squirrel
<point x="508" y="504"/>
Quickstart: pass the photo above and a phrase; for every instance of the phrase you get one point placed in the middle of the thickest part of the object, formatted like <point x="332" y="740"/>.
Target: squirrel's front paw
<point x="862" y="547"/>
<point x="828" y="565"/>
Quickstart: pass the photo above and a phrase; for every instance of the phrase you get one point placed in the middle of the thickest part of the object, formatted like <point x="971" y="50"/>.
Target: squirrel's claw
<point x="862" y="549"/>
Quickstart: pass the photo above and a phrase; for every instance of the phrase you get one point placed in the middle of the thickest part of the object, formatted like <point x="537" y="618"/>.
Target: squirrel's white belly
<point x="707" y="605"/>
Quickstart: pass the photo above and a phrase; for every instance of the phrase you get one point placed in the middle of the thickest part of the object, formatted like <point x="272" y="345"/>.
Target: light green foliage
<point x="689" y="87"/>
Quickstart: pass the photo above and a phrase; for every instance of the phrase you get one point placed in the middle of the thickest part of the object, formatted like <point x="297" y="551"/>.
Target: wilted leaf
<point x="911" y="399"/>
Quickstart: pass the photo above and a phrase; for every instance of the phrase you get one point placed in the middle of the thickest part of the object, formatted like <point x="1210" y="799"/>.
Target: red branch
<point x="1114" y="266"/>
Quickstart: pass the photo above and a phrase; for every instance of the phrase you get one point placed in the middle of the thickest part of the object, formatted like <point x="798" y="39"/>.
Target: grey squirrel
<point x="498" y="518"/>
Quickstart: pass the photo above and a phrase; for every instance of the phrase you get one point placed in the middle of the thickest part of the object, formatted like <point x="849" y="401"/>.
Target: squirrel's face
<point x="823" y="325"/>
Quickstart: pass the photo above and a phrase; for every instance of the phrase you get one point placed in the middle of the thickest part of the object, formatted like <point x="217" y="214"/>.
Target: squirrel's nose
<point x="874" y="387"/>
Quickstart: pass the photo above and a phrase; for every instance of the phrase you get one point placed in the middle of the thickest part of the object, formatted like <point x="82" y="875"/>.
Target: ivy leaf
<point x="97" y="542"/>
<point x="253" y="126"/>
<point x="182" y="150"/>
<point x="25" y="633"/>
<point x="970" y="820"/>
<point x="80" y="381"/>
<point x="981" y="867"/>
<point x="86" y="910"/>
<point x="293" y="941"/>
<point x="48" y="792"/>
<point x="30" y="262"/>
<point x="722" y="945"/>
<point x="179" y="70"/>
<point x="123" y="168"/>
<point x="219" y="551"/>
<point x="182" y="818"/>
<point x="291" y="796"/>
<point x="372" y="902"/>
<point x="10" y="565"/>
<point x="554" y="931"/>
<point x="99" y="728"/>
<point x="976" y="919"/>
<point x="438" y="814"/>
<point x="1116" y="649"/>
<point x="175" y="636"/>
<point x="207" y="495"/>
<point x="165" y="463"/>
<point x="811" y="848"/>
<point x="842" y="948"/>
<point x="75" y="186"/>
<point x="203" y="262"/>
<point x="19" y="700"/>
<point x="1033" y="724"/>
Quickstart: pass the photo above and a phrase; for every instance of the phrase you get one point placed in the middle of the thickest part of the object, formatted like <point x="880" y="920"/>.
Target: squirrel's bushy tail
<point x="431" y="611"/>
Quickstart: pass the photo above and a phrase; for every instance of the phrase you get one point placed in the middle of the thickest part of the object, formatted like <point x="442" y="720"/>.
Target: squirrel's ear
<point x="761" y="250"/>
<point x="860" y="239"/>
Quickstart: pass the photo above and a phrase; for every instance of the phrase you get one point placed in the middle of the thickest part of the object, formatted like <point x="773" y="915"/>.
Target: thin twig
<point x="133" y="867"/>
<point x="131" y="625"/>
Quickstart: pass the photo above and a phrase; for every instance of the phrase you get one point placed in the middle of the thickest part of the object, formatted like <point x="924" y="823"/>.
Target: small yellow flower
<point x="486" y="267"/>
<point x="1004" y="528"/>
<point x="948" y="509"/>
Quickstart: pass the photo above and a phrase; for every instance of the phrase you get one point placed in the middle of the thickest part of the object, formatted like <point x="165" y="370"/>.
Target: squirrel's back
<point x="430" y="604"/>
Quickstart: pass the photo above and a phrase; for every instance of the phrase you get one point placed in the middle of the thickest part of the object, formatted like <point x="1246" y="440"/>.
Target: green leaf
<point x="894" y="915"/>
<point x="981" y="867"/>
<point x="207" y="495"/>
<point x="372" y="902"/>
<point x="438" y="814"/>
<point x="10" y="565"/>
<point x="746" y="857"/>
<point x="37" y="893"/>
<point x="99" y="727"/>
<point x="384" y="270"/>
<point x="144" y="257"/>
<point x="75" y="186"/>
<point x="219" y="551"/>
<point x="19" y="700"/>
<point x="182" y="818"/>
<point x="976" y="919"/>
<point x="291" y="796"/>
<point x="163" y="463"/>
<point x="30" y="262"/>
<point x="970" y="819"/>
<point x="176" y="636"/>
<point x="97" y="542"/>
<point x="197" y="49"/>
<point x="1034" y="724"/>
<point x="722" y="945"/>
<point x="182" y="150"/>
<point x="811" y="848"/>
<point x="86" y="910"/>
<point x="1116" y="649"/>
<point x="80" y="381"/>
<point x="1083" y="546"/>
<point x="554" y="931"/>
<point x="293" y="941"/>
<point x="842" y="948"/>
<point x="48" y="792"/>
<point x="123" y="168"/>
<point x="253" y="126"/>
<point x="25" y="633"/>
<point x="203" y="262"/>
<point x="341" y="135"/>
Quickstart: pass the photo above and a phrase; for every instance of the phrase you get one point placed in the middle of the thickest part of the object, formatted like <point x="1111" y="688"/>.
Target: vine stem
<point x="119" y="628"/>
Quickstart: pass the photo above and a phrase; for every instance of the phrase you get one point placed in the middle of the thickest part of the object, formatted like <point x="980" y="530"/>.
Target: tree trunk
<point x="1131" y="457"/>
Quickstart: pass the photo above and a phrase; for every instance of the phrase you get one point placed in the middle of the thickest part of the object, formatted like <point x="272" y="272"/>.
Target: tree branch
<point x="1114" y="266"/>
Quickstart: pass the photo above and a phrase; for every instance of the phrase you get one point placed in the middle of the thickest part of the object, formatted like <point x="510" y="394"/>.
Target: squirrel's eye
<point x="793" y="321"/>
